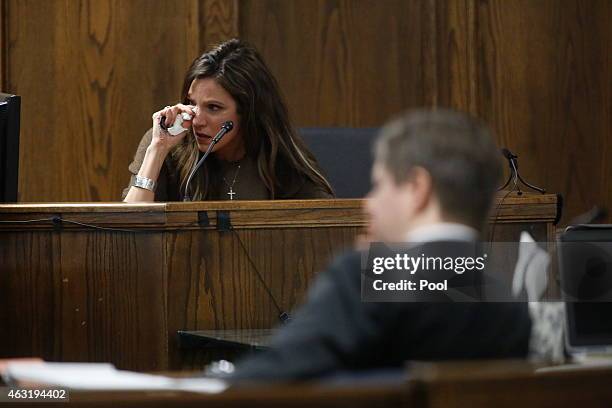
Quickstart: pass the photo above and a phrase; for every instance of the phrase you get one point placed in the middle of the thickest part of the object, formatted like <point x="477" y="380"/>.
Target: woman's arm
<point x="160" y="145"/>
<point x="150" y="168"/>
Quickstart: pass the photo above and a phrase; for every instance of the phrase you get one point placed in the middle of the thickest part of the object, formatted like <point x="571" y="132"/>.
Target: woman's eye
<point x="213" y="108"/>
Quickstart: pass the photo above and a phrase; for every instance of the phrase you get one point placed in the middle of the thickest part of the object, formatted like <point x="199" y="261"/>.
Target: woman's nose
<point x="199" y="118"/>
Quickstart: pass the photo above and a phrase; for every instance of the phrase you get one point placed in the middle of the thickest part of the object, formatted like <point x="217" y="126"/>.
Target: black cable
<point x="27" y="221"/>
<point x="283" y="316"/>
<point x="59" y="220"/>
<point x="97" y="227"/>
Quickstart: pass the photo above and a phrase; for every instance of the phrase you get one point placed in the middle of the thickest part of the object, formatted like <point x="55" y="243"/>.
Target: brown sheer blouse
<point x="247" y="185"/>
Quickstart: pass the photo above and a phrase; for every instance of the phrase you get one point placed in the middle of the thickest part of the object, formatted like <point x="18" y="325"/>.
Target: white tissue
<point x="177" y="127"/>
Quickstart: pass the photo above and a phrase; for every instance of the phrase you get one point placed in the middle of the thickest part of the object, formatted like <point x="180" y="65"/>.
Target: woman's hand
<point x="162" y="140"/>
<point x="157" y="151"/>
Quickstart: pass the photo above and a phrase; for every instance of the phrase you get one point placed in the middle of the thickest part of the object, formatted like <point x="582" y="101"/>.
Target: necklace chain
<point x="231" y="192"/>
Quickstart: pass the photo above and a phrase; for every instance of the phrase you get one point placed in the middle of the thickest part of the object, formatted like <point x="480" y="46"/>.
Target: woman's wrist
<point x="153" y="161"/>
<point x="159" y="150"/>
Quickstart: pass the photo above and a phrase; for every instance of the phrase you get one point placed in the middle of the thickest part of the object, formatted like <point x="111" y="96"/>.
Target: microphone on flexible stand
<point x="225" y="128"/>
<point x="514" y="176"/>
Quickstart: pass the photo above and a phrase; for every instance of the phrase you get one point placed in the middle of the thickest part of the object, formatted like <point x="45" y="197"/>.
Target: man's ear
<point x="421" y="184"/>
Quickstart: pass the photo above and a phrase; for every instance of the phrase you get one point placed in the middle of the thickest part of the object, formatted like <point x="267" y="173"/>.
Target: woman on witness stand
<point x="261" y="158"/>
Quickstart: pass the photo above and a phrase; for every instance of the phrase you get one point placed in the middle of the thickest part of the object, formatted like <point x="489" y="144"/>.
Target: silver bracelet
<point x="144" y="182"/>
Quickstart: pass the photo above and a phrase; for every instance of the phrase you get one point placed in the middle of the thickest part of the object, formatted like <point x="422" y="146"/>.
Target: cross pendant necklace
<point x="231" y="193"/>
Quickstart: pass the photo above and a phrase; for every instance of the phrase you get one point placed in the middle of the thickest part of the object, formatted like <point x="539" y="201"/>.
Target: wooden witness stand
<point x="116" y="282"/>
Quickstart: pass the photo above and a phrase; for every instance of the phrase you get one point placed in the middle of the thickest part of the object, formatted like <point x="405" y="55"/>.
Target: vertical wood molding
<point x="4" y="42"/>
<point x="194" y="29"/>
<point x="430" y="53"/>
<point x="473" y="55"/>
<point x="220" y="20"/>
<point x="455" y="60"/>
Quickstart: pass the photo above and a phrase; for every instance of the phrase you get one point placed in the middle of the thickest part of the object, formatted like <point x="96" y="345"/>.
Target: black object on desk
<point x="247" y="339"/>
<point x="10" y="108"/>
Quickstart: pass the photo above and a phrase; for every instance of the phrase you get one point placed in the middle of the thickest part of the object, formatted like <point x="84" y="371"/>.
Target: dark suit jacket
<point x="334" y="330"/>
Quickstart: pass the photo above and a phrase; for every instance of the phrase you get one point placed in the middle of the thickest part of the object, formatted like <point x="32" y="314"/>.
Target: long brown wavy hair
<point x="282" y="158"/>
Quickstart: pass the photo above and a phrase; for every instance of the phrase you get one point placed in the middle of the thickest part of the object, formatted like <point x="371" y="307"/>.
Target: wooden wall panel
<point x="90" y="74"/>
<point x="338" y="61"/>
<point x="356" y="63"/>
<point x="455" y="58"/>
<point x="545" y="86"/>
<point x="537" y="71"/>
<point x="3" y="45"/>
<point x="218" y="22"/>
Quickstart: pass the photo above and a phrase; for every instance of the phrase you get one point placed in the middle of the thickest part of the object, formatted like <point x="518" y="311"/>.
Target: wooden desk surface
<point x="195" y="215"/>
<point x="253" y="338"/>
<point x="507" y="208"/>
<point x="280" y="396"/>
<point x="464" y="384"/>
<point x="512" y="384"/>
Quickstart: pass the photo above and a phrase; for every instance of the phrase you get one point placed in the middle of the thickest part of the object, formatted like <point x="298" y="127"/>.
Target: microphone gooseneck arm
<point x="225" y="128"/>
<point x="514" y="176"/>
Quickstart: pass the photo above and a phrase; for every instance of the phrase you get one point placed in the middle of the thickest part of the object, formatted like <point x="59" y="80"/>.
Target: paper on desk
<point x="94" y="376"/>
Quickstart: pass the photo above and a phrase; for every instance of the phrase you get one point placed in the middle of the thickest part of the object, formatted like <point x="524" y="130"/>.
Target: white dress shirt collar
<point x="443" y="231"/>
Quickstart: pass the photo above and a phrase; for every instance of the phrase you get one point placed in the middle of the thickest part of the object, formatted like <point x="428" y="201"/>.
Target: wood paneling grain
<point x="545" y="86"/>
<point x="215" y="285"/>
<point x="84" y="296"/>
<point x="455" y="57"/>
<point x="356" y="63"/>
<point x="538" y="72"/>
<point x="90" y="74"/>
<point x="338" y="62"/>
<point x="114" y="299"/>
<point x="219" y="22"/>
<point x="29" y="283"/>
<point x="3" y="47"/>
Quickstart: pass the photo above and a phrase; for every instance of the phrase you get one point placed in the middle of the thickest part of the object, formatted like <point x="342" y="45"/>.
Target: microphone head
<point x="226" y="127"/>
<point x="507" y="154"/>
<point x="229" y="125"/>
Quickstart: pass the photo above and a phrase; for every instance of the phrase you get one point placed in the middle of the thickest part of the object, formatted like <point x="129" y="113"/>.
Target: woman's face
<point x="214" y="106"/>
